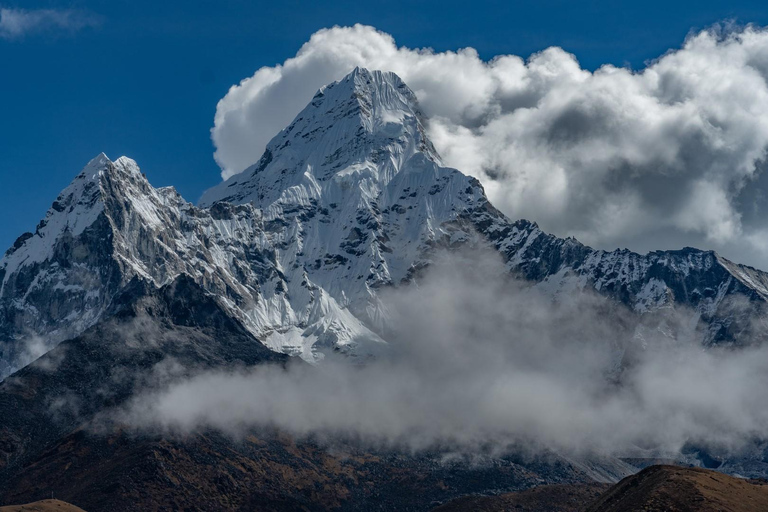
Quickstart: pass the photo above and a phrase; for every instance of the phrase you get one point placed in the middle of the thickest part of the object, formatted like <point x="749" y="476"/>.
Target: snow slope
<point x="349" y="198"/>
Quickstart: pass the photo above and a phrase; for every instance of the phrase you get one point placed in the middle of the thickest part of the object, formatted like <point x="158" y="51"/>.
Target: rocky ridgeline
<point x="349" y="198"/>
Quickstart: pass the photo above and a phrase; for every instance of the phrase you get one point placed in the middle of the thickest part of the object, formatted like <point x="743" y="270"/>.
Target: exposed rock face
<point x="727" y="301"/>
<point x="350" y="198"/>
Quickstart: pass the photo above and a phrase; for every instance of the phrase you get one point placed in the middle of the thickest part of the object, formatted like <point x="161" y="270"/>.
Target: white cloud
<point x="478" y="362"/>
<point x="662" y="157"/>
<point x="16" y="23"/>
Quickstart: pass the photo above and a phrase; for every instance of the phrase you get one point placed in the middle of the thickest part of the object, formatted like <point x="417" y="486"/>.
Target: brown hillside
<point x="43" y="506"/>
<point x="678" y="489"/>
<point x="545" y="498"/>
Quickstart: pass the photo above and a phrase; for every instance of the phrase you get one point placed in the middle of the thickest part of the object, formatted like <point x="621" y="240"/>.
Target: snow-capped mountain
<point x="725" y="301"/>
<point x="349" y="198"/>
<point x="354" y="195"/>
<point x="109" y="226"/>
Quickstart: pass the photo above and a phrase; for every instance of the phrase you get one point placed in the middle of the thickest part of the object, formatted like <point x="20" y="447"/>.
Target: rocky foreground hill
<point x="655" y="489"/>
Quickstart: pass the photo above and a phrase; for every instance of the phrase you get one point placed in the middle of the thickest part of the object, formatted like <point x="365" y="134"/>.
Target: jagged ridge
<point x="347" y="199"/>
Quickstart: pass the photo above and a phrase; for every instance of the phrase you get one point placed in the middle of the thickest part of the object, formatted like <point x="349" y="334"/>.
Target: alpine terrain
<point x="350" y="197"/>
<point x="286" y="259"/>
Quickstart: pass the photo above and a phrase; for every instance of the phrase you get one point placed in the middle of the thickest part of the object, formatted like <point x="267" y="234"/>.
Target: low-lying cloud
<point x="479" y="362"/>
<point x="667" y="156"/>
<point x="17" y="23"/>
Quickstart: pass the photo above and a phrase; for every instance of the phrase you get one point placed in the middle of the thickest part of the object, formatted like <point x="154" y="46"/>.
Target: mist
<point x="478" y="361"/>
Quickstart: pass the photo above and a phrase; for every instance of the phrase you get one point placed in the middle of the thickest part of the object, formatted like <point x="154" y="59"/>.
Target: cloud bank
<point x="667" y="156"/>
<point x="17" y="23"/>
<point x="478" y="362"/>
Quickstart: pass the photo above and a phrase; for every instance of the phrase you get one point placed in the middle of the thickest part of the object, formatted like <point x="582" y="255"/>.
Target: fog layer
<point x="478" y="361"/>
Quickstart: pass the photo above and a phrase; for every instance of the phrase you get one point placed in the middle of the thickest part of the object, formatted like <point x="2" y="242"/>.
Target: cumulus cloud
<point x="479" y="362"/>
<point x="16" y="23"/>
<point x="667" y="156"/>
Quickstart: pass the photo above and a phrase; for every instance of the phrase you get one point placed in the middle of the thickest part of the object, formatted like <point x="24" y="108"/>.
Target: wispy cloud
<point x="17" y="23"/>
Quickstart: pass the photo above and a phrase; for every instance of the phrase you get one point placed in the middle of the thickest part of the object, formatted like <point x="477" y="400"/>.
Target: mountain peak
<point x="101" y="165"/>
<point x="127" y="166"/>
<point x="384" y="88"/>
<point x="367" y="125"/>
<point x="348" y="199"/>
<point x="359" y="70"/>
<point x="97" y="163"/>
<point x="366" y="83"/>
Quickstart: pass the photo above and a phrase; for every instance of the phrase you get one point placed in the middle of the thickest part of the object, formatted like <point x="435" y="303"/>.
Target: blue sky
<point x="142" y="79"/>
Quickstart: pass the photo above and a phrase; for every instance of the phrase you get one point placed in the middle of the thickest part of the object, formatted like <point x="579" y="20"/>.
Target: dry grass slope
<point x="545" y="498"/>
<point x="678" y="489"/>
<point x="43" y="506"/>
<point x="660" y="488"/>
